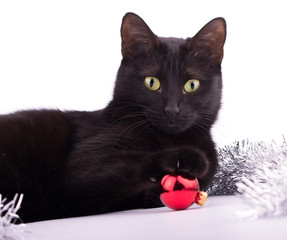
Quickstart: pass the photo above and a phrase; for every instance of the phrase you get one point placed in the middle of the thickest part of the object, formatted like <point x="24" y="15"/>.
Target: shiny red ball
<point x="178" y="193"/>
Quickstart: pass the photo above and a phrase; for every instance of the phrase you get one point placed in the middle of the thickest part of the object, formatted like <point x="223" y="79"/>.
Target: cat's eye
<point x="191" y="85"/>
<point x="152" y="83"/>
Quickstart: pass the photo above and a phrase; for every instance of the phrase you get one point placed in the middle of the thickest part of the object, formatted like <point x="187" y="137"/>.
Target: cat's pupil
<point x="151" y="82"/>
<point x="192" y="85"/>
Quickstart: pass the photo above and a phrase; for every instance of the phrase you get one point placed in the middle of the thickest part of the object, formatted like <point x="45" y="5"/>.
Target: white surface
<point x="216" y="220"/>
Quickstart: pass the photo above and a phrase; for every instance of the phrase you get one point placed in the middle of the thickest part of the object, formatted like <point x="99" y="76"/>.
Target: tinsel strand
<point x="8" y="217"/>
<point x="257" y="171"/>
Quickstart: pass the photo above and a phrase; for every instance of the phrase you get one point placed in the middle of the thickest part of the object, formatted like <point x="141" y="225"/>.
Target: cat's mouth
<point x="170" y="128"/>
<point x="172" y="125"/>
<point x="173" y="128"/>
<point x="166" y="124"/>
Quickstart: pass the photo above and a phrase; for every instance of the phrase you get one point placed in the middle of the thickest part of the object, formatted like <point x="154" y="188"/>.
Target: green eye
<point x="192" y="85"/>
<point x="152" y="83"/>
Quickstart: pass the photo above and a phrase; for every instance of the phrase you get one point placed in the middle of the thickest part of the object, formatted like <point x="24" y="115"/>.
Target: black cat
<point x="166" y="98"/>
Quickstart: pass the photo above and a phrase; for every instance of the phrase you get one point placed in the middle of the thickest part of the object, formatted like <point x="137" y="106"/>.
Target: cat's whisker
<point x="117" y="110"/>
<point x="133" y="107"/>
<point x="131" y="128"/>
<point x="140" y="131"/>
<point x="126" y="104"/>
<point x="125" y="117"/>
<point x="137" y="125"/>
<point x="201" y="126"/>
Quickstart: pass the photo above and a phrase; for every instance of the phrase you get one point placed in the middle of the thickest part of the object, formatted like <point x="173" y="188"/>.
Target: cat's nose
<point x="171" y="110"/>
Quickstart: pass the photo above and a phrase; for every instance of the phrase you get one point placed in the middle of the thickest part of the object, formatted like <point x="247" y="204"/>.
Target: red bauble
<point x="179" y="193"/>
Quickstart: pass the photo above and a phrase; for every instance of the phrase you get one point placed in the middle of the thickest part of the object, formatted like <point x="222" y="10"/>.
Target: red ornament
<point x="180" y="193"/>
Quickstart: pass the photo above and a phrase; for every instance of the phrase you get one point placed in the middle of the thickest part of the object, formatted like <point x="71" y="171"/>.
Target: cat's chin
<point x="172" y="129"/>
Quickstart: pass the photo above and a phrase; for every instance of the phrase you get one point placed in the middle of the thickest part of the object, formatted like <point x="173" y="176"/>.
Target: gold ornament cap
<point x="201" y="198"/>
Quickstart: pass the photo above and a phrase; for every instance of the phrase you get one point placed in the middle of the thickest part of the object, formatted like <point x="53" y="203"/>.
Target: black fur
<point x="82" y="163"/>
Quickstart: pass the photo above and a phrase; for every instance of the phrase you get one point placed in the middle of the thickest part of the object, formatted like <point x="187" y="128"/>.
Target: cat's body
<point x="80" y="163"/>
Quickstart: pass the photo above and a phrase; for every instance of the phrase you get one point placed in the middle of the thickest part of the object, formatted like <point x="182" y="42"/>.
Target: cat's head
<point x="175" y="83"/>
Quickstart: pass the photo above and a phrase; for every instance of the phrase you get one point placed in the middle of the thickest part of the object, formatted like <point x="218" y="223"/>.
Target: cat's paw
<point x="186" y="161"/>
<point x="192" y="162"/>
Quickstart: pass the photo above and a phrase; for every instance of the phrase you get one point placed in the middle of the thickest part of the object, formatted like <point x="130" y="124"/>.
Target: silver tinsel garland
<point x="257" y="171"/>
<point x="8" y="217"/>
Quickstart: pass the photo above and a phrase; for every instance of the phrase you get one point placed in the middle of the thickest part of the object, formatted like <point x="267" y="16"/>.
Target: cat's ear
<point x="210" y="40"/>
<point x="136" y="36"/>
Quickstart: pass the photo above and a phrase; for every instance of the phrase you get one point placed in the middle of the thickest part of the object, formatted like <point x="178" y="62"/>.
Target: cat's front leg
<point x="187" y="161"/>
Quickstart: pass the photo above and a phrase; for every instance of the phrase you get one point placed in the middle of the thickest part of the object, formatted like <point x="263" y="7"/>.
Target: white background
<point x="65" y="54"/>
